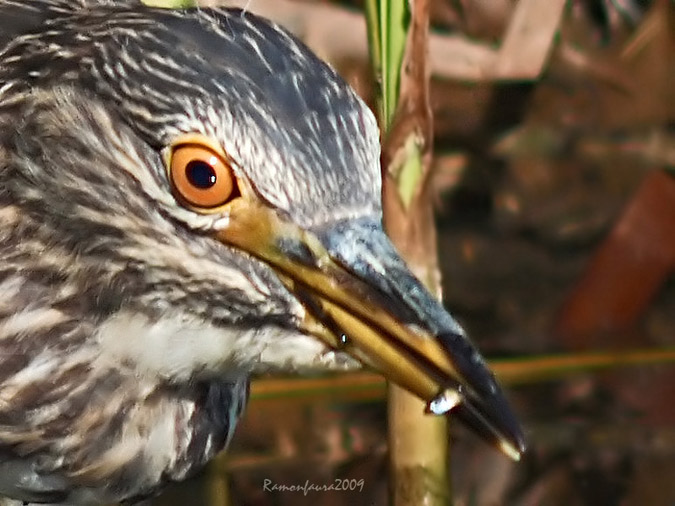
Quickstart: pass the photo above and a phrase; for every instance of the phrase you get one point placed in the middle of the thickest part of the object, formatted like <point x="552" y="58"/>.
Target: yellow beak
<point x="362" y="299"/>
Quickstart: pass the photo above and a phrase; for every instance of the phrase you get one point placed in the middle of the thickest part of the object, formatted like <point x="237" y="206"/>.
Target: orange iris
<point x="202" y="177"/>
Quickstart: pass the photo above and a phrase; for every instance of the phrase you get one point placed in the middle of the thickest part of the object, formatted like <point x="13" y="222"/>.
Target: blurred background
<point x="552" y="180"/>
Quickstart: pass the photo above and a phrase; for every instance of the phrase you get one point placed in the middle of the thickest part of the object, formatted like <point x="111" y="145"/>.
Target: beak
<point x="363" y="300"/>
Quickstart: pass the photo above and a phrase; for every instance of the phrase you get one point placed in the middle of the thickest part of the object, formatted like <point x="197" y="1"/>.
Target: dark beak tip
<point x="494" y="421"/>
<point x="362" y="248"/>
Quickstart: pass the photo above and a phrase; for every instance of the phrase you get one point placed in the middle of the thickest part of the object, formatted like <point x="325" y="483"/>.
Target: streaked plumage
<point x="129" y="323"/>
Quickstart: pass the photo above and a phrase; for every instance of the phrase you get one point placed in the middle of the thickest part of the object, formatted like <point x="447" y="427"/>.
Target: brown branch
<point x="523" y="55"/>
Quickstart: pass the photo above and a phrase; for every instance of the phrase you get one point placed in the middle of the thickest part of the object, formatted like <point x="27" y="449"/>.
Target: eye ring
<point x="200" y="176"/>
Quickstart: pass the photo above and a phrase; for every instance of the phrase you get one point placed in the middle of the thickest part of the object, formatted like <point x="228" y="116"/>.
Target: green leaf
<point x="388" y="24"/>
<point x="407" y="168"/>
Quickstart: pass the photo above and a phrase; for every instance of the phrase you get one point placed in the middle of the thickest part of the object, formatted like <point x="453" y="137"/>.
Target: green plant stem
<point x="387" y="29"/>
<point x="418" y="447"/>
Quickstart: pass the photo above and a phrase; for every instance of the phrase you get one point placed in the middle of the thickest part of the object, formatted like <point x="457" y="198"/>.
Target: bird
<point x="188" y="198"/>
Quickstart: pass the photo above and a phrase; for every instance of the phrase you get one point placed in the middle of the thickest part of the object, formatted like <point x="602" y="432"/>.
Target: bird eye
<point x="201" y="177"/>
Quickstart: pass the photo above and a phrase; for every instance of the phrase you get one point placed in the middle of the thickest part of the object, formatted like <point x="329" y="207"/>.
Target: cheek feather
<point x="180" y="347"/>
<point x="176" y="347"/>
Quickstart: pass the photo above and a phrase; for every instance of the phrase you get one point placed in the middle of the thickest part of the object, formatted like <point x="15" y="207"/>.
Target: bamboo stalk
<point x="399" y="49"/>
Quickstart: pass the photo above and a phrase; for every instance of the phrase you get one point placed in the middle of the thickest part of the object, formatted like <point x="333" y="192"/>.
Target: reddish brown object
<point x="627" y="270"/>
<point x="622" y="278"/>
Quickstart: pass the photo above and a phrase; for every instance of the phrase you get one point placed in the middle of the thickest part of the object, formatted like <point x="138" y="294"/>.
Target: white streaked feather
<point x="31" y="321"/>
<point x="178" y="346"/>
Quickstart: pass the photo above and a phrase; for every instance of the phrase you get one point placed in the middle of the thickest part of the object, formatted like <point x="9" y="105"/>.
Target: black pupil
<point x="200" y="174"/>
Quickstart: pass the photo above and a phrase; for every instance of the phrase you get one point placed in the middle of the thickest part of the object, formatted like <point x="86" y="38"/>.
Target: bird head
<point x="206" y="192"/>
